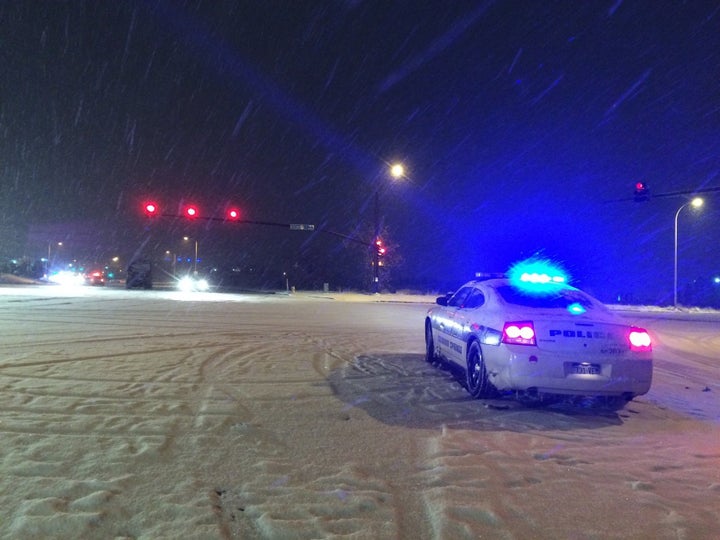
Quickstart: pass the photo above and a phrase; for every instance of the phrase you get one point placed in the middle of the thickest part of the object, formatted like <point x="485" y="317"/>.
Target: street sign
<point x="301" y="227"/>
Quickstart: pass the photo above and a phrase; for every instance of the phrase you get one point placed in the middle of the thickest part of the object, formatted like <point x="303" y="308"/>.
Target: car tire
<point x="478" y="383"/>
<point x="615" y="403"/>
<point x="430" y="355"/>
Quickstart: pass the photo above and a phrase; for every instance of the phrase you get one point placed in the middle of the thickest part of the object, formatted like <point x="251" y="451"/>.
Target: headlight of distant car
<point x="202" y="285"/>
<point x="189" y="283"/>
<point x="66" y="278"/>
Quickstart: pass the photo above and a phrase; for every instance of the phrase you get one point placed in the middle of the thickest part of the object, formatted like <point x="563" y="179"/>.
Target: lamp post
<point x="173" y="261"/>
<point x="397" y="171"/>
<point x="697" y="202"/>
<point x="186" y="238"/>
<point x="47" y="264"/>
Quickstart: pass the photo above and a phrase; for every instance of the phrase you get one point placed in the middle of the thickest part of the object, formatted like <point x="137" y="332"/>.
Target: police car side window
<point x="458" y="299"/>
<point x="474" y="300"/>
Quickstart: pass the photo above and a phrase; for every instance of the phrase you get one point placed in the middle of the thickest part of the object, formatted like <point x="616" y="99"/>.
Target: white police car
<point x="538" y="339"/>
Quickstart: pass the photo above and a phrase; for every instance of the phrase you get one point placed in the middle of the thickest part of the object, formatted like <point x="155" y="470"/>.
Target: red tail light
<point x="519" y="333"/>
<point x="639" y="339"/>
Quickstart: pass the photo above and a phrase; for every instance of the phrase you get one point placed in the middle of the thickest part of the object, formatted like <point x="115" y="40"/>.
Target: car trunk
<point x="589" y="337"/>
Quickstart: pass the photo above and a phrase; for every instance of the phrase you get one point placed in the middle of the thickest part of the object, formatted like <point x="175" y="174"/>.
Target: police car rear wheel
<point x="429" y="344"/>
<point x="478" y="383"/>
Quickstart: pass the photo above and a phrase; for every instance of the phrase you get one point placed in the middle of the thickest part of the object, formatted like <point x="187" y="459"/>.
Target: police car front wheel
<point x="429" y="343"/>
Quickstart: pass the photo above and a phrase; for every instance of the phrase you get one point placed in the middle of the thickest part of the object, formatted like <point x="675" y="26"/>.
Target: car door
<point x="465" y="315"/>
<point x="449" y="338"/>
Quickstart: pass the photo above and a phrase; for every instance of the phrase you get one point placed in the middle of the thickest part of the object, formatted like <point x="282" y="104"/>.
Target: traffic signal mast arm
<point x="191" y="212"/>
<point x="692" y="192"/>
<point x="644" y="193"/>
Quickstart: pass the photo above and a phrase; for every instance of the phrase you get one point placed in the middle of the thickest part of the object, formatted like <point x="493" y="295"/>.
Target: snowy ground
<point x="146" y="414"/>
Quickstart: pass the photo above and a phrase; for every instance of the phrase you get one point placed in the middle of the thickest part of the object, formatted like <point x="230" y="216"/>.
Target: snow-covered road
<point x="149" y="414"/>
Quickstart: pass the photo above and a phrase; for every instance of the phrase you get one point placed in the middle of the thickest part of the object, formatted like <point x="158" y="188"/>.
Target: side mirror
<point x="442" y="300"/>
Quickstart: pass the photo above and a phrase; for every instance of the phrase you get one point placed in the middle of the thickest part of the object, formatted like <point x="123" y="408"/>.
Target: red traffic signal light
<point x="190" y="212"/>
<point x="233" y="214"/>
<point x="150" y="209"/>
<point x="379" y="247"/>
<point x="642" y="192"/>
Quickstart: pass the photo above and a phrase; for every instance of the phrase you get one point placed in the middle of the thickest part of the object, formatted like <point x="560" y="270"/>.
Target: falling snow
<point x="523" y="127"/>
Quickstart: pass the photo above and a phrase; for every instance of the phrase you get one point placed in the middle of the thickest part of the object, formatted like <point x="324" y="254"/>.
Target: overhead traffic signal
<point x="191" y="211"/>
<point x="151" y="209"/>
<point x="642" y="192"/>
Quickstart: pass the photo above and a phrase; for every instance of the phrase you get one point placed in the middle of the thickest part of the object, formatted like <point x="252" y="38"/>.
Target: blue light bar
<point x="536" y="276"/>
<point x="541" y="278"/>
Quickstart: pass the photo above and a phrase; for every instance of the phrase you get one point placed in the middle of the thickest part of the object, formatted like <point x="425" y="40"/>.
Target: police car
<point x="536" y="338"/>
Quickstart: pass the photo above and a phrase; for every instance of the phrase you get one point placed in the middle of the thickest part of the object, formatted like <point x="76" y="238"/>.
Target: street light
<point x="47" y="264"/>
<point x="397" y="171"/>
<point x="186" y="238"/>
<point x="697" y="202"/>
<point x="172" y="257"/>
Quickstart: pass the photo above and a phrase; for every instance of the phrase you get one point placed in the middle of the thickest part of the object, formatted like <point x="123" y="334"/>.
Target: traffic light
<point x="379" y="253"/>
<point x="233" y="214"/>
<point x="380" y="248"/>
<point x="190" y="211"/>
<point x="151" y="209"/>
<point x="642" y="192"/>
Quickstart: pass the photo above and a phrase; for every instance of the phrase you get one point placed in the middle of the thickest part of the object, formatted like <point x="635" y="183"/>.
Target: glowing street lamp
<point x="47" y="263"/>
<point x="172" y="257"/>
<point x="187" y="238"/>
<point x="697" y="202"/>
<point x="397" y="171"/>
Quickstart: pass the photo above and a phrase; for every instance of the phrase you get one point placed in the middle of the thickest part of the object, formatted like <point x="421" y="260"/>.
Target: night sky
<point x="517" y="122"/>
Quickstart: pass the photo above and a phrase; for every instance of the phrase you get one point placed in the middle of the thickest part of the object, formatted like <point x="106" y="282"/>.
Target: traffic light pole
<point x="680" y="193"/>
<point x="669" y="194"/>
<point x="292" y="226"/>
<point x="152" y="210"/>
<point x="376" y="252"/>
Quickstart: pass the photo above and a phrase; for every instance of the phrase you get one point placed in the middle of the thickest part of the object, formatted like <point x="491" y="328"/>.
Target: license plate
<point x="585" y="369"/>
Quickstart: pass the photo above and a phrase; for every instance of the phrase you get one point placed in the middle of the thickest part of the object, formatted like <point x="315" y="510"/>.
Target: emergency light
<point x="537" y="276"/>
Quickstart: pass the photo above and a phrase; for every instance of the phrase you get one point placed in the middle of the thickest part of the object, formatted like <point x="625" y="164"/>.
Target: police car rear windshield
<point x="560" y="299"/>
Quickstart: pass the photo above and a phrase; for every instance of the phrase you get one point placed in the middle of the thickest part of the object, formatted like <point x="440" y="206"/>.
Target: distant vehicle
<point x="538" y="346"/>
<point x="139" y="275"/>
<point x="193" y="283"/>
<point x="96" y="277"/>
<point x="67" y="278"/>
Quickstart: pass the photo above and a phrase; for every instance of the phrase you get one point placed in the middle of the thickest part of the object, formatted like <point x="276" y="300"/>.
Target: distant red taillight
<point x="519" y="333"/>
<point x="639" y="339"/>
